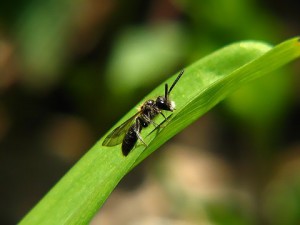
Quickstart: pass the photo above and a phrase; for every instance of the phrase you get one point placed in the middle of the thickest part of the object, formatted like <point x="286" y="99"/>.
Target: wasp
<point x="129" y="132"/>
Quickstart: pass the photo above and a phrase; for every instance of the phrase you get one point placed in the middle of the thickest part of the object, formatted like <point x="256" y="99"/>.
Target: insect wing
<point x="117" y="135"/>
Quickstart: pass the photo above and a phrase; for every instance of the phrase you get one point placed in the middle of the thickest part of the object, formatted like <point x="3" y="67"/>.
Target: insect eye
<point x="161" y="102"/>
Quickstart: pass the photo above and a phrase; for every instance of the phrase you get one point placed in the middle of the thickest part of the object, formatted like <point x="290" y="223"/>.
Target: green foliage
<point x="83" y="190"/>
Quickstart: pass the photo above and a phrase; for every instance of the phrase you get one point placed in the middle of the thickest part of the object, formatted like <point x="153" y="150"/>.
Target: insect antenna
<point x="166" y="91"/>
<point x="174" y="83"/>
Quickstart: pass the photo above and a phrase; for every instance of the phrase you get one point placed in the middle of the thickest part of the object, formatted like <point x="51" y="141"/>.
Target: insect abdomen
<point x="129" y="140"/>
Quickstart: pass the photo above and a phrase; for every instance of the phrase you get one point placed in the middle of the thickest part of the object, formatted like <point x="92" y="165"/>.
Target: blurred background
<point x="70" y="69"/>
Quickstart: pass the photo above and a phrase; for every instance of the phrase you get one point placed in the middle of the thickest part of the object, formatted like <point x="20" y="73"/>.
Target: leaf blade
<point x="82" y="191"/>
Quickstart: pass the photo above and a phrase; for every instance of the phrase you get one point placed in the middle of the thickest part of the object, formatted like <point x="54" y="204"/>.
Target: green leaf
<point x="83" y="190"/>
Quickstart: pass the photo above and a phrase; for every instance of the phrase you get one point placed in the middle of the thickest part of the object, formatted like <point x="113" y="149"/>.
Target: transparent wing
<point x="117" y="135"/>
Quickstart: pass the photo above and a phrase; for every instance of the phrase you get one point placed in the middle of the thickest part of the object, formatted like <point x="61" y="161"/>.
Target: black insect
<point x="129" y="132"/>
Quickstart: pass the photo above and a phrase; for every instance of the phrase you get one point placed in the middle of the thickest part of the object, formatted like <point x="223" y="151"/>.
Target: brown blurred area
<point x="70" y="69"/>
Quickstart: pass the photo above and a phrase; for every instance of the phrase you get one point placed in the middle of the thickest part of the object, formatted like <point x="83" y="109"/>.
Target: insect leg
<point x="141" y="139"/>
<point x="137" y="129"/>
<point x="160" y="125"/>
<point x="165" y="119"/>
<point x="154" y="124"/>
<point x="163" y="116"/>
<point x="157" y="126"/>
<point x="147" y="120"/>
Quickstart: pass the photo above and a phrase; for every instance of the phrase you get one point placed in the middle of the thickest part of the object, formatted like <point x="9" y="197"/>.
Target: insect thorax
<point x="147" y="112"/>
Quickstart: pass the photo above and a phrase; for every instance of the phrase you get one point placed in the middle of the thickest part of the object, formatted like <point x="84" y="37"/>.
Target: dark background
<point x="70" y="69"/>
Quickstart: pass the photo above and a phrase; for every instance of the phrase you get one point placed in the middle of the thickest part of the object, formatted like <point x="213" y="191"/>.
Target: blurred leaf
<point x="43" y="32"/>
<point x="216" y="23"/>
<point x="143" y="54"/>
<point x="227" y="213"/>
<point x="83" y="190"/>
<point x="231" y="18"/>
<point x="261" y="102"/>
